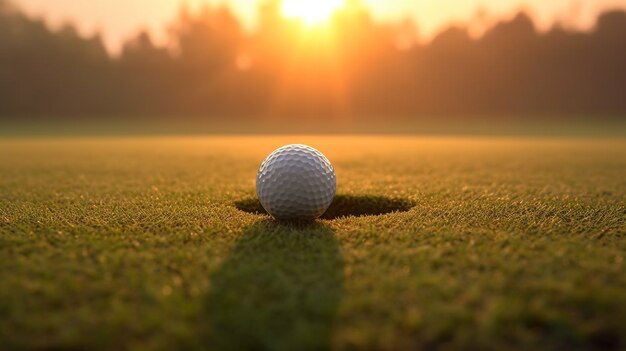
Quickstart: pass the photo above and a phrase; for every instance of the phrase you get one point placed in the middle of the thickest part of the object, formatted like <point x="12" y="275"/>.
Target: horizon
<point x="116" y="26"/>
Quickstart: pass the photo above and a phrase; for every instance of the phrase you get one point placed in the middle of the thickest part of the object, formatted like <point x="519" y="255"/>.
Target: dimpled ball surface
<point x="296" y="182"/>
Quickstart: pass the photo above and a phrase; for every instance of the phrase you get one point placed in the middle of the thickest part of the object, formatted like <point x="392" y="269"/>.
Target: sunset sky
<point x="119" y="19"/>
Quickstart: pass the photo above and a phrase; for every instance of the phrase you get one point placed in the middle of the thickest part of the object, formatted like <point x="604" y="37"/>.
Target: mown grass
<point x="433" y="243"/>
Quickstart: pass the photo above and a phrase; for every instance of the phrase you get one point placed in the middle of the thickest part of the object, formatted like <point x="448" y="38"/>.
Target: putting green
<point x="159" y="243"/>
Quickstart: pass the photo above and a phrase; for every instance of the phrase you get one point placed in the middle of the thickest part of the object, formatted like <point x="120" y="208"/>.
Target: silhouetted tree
<point x="214" y="68"/>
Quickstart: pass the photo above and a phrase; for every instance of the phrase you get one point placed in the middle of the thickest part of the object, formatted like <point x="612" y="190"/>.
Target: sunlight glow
<point x="311" y="12"/>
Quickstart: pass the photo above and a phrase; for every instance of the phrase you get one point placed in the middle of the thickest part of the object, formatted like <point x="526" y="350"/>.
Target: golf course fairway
<point x="432" y="243"/>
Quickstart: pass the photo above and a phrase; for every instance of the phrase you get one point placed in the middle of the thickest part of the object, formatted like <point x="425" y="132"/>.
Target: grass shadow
<point x="278" y="290"/>
<point x="344" y="206"/>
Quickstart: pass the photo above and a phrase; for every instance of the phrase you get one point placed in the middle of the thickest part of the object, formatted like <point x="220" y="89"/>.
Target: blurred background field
<point x="477" y="126"/>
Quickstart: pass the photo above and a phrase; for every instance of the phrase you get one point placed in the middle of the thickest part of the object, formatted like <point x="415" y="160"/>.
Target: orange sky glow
<point x="120" y="19"/>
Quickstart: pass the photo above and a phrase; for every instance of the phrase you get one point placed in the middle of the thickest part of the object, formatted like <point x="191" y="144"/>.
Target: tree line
<point x="354" y="66"/>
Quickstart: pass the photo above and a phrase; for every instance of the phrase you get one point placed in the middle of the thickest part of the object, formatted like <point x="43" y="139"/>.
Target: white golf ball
<point x="296" y="182"/>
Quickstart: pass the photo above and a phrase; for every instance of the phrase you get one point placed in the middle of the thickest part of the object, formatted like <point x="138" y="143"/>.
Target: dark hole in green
<point x="344" y="206"/>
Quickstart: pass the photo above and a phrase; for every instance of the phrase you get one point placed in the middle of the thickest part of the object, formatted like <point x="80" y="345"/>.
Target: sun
<point x="311" y="12"/>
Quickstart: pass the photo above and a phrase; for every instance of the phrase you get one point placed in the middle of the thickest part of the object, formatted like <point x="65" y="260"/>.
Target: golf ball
<point x="296" y="182"/>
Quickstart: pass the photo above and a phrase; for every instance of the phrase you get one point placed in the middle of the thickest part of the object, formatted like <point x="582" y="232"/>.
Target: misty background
<point x="354" y="67"/>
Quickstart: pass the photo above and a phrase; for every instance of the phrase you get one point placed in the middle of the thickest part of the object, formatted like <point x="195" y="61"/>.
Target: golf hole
<point x="344" y="206"/>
